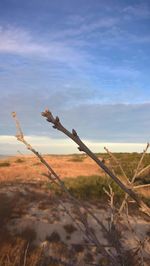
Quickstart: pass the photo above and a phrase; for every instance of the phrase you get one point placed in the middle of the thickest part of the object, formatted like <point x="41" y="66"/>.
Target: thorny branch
<point x="82" y="147"/>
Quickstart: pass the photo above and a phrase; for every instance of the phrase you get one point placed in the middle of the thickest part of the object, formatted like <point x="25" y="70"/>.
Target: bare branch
<point x="82" y="147"/>
<point x="126" y="180"/>
<point x="142" y="171"/>
<point x="110" y="194"/>
<point x="142" y="186"/>
<point x="134" y="176"/>
<point x="25" y="254"/>
<point x="140" y="163"/>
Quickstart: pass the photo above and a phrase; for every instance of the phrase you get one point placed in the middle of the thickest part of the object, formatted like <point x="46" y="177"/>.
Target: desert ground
<point x="28" y="168"/>
<point x="35" y="228"/>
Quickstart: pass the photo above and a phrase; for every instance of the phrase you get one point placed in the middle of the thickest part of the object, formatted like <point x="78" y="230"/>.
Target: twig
<point x="113" y="230"/>
<point x="140" y="162"/>
<point x="139" y="250"/>
<point x="142" y="171"/>
<point x="117" y="162"/>
<point x="142" y="186"/>
<point x="134" y="177"/>
<point x="110" y="194"/>
<point x="82" y="147"/>
<point x="25" y="255"/>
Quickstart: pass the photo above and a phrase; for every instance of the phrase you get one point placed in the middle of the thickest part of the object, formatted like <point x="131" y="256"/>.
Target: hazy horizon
<point x="46" y="145"/>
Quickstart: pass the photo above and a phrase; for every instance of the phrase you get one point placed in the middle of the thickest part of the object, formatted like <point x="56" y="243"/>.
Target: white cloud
<point x="15" y="40"/>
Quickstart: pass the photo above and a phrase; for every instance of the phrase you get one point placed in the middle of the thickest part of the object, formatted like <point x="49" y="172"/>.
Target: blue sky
<point x="88" y="61"/>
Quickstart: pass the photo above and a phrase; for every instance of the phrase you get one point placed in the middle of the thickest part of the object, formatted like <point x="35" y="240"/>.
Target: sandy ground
<point x="36" y="212"/>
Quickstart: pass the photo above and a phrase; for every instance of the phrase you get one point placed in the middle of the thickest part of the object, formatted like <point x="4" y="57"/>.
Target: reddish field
<point x="30" y="168"/>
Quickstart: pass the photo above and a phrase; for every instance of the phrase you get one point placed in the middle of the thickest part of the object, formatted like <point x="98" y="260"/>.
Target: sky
<point x="87" y="61"/>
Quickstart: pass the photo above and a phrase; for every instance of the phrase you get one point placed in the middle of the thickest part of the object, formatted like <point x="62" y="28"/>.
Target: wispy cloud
<point x="141" y="10"/>
<point x="20" y="42"/>
<point x="15" y="40"/>
<point x="88" y="26"/>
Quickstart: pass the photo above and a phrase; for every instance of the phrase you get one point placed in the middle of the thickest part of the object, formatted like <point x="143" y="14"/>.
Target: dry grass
<point x="18" y="252"/>
<point x="31" y="169"/>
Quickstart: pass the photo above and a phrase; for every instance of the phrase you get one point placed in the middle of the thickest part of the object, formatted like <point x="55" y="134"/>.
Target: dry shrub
<point x="4" y="164"/>
<point x="54" y="237"/>
<point x="19" y="160"/>
<point x="77" y="158"/>
<point x="6" y="209"/>
<point x="70" y="228"/>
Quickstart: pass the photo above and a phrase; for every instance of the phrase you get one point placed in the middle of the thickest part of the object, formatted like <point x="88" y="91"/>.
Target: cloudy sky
<point x="88" y="61"/>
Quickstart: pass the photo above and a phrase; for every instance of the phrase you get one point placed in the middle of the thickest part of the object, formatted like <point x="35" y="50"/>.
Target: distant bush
<point x="77" y="158"/>
<point x="54" y="237"/>
<point x="4" y="164"/>
<point x="19" y="161"/>
<point x="38" y="163"/>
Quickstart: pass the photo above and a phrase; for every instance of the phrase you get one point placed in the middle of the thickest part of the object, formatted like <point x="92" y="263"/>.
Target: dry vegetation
<point x="76" y="220"/>
<point x="31" y="169"/>
<point x="33" y="221"/>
